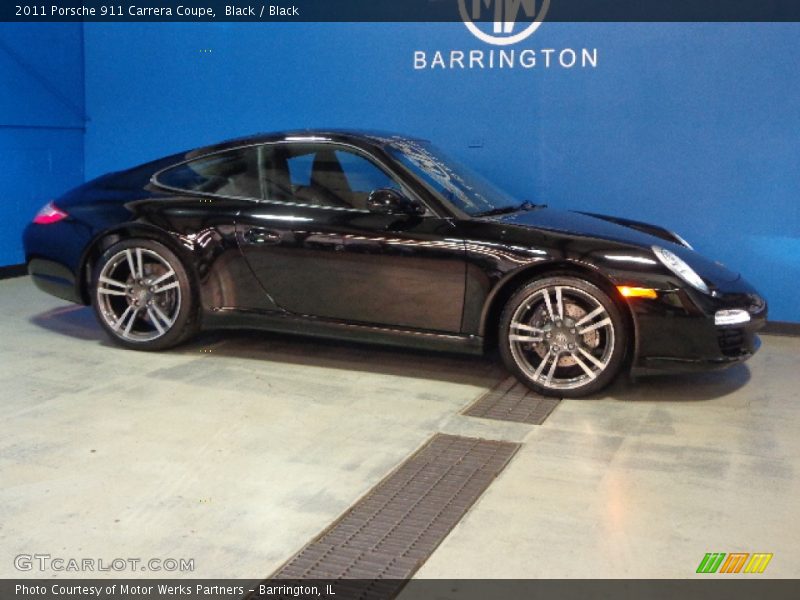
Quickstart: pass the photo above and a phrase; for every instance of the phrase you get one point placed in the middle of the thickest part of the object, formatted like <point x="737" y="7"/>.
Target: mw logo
<point x="504" y="14"/>
<point x="735" y="562"/>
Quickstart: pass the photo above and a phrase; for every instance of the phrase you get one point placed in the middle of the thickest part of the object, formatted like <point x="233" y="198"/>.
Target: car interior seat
<point x="328" y="185"/>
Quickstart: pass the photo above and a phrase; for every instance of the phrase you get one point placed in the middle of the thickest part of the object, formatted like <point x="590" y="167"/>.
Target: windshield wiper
<point x="505" y="210"/>
<point x="531" y="206"/>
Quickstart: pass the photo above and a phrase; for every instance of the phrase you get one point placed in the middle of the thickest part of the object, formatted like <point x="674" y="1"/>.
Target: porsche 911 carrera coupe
<point x="383" y="238"/>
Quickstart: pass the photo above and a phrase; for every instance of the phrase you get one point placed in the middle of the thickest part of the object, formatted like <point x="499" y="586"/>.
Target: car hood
<point x="579" y="224"/>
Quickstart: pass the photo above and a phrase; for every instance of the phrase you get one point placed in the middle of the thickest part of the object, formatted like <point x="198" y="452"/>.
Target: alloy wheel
<point x="138" y="295"/>
<point x="562" y="338"/>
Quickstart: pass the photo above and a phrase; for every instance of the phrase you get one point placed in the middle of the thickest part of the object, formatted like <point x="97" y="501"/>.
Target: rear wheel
<point x="563" y="336"/>
<point x="142" y="296"/>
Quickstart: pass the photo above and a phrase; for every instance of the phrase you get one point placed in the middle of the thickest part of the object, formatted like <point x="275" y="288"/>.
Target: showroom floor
<point x="239" y="449"/>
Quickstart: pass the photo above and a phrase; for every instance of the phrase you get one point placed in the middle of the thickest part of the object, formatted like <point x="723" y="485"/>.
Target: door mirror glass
<point x="392" y="201"/>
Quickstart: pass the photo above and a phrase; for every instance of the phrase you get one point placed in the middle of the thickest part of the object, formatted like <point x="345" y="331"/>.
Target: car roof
<point x="364" y="139"/>
<point x="358" y="137"/>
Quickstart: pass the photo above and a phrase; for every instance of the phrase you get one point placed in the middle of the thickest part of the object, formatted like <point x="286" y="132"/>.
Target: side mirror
<point x="391" y="201"/>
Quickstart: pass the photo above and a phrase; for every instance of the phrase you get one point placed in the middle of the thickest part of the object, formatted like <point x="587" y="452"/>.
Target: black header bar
<point x="576" y="11"/>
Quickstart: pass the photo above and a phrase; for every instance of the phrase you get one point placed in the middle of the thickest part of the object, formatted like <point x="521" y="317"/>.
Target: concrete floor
<point x="238" y="449"/>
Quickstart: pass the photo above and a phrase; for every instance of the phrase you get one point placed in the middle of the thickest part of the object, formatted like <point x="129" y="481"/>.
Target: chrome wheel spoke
<point x="164" y="277"/>
<point x="526" y="339"/>
<point x="131" y="266"/>
<point x="548" y="304"/>
<point x="113" y="282"/>
<point x="154" y="320"/>
<point x="523" y="327"/>
<point x="591" y="316"/>
<point x="165" y="288"/>
<point x="560" y="302"/>
<point x="110" y="284"/>
<point x="118" y="322"/>
<point x="593" y="359"/>
<point x="535" y="335"/>
<point x="131" y="263"/>
<point x="551" y="372"/>
<point x="591" y="374"/>
<point x="165" y="321"/>
<point x="543" y="364"/>
<point x="140" y="264"/>
<point x="604" y="323"/>
<point x="131" y="321"/>
<point x="126" y="320"/>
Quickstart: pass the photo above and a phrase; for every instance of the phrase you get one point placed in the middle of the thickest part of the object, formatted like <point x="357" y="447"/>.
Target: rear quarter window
<point x="234" y="173"/>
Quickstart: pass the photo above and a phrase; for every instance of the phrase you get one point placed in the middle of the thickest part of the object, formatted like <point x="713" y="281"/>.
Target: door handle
<point x="262" y="236"/>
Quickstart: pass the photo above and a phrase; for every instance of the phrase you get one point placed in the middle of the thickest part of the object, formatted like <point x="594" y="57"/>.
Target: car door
<point x="317" y="250"/>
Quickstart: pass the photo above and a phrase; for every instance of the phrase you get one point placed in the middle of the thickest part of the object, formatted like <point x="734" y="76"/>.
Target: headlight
<point x="678" y="266"/>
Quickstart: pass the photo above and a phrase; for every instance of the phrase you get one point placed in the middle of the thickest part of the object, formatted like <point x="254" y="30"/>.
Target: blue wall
<point x="696" y="126"/>
<point x="41" y="123"/>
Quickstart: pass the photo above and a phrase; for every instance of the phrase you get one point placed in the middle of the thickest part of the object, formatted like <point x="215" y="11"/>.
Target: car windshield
<point x="457" y="183"/>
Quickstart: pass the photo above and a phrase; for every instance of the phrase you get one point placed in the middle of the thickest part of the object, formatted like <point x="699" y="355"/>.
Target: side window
<point x="362" y="175"/>
<point x="315" y="174"/>
<point x="300" y="166"/>
<point x="233" y="173"/>
<point x="327" y="175"/>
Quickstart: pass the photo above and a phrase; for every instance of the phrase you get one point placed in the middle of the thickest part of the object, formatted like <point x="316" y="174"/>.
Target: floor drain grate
<point x="390" y="532"/>
<point x="511" y="400"/>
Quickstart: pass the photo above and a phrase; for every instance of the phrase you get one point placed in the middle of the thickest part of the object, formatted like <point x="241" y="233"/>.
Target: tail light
<point x="49" y="213"/>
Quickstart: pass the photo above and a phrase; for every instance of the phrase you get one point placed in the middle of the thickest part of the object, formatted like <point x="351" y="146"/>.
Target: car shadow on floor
<point x="72" y="321"/>
<point x="677" y="387"/>
<point x="79" y="322"/>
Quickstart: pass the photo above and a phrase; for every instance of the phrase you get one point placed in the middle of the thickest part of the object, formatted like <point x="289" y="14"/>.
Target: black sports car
<point x="381" y="237"/>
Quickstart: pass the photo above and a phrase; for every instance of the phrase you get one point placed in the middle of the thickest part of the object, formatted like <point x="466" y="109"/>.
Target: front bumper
<point x="677" y="332"/>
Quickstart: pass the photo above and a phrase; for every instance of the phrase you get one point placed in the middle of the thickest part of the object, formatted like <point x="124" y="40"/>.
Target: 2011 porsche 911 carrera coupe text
<point x="383" y="238"/>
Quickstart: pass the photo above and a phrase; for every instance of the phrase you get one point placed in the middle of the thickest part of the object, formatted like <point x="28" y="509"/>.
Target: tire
<point x="563" y="336"/>
<point x="142" y="296"/>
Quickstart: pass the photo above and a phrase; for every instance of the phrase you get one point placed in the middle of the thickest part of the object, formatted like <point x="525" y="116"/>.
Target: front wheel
<point x="563" y="336"/>
<point x="142" y="295"/>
